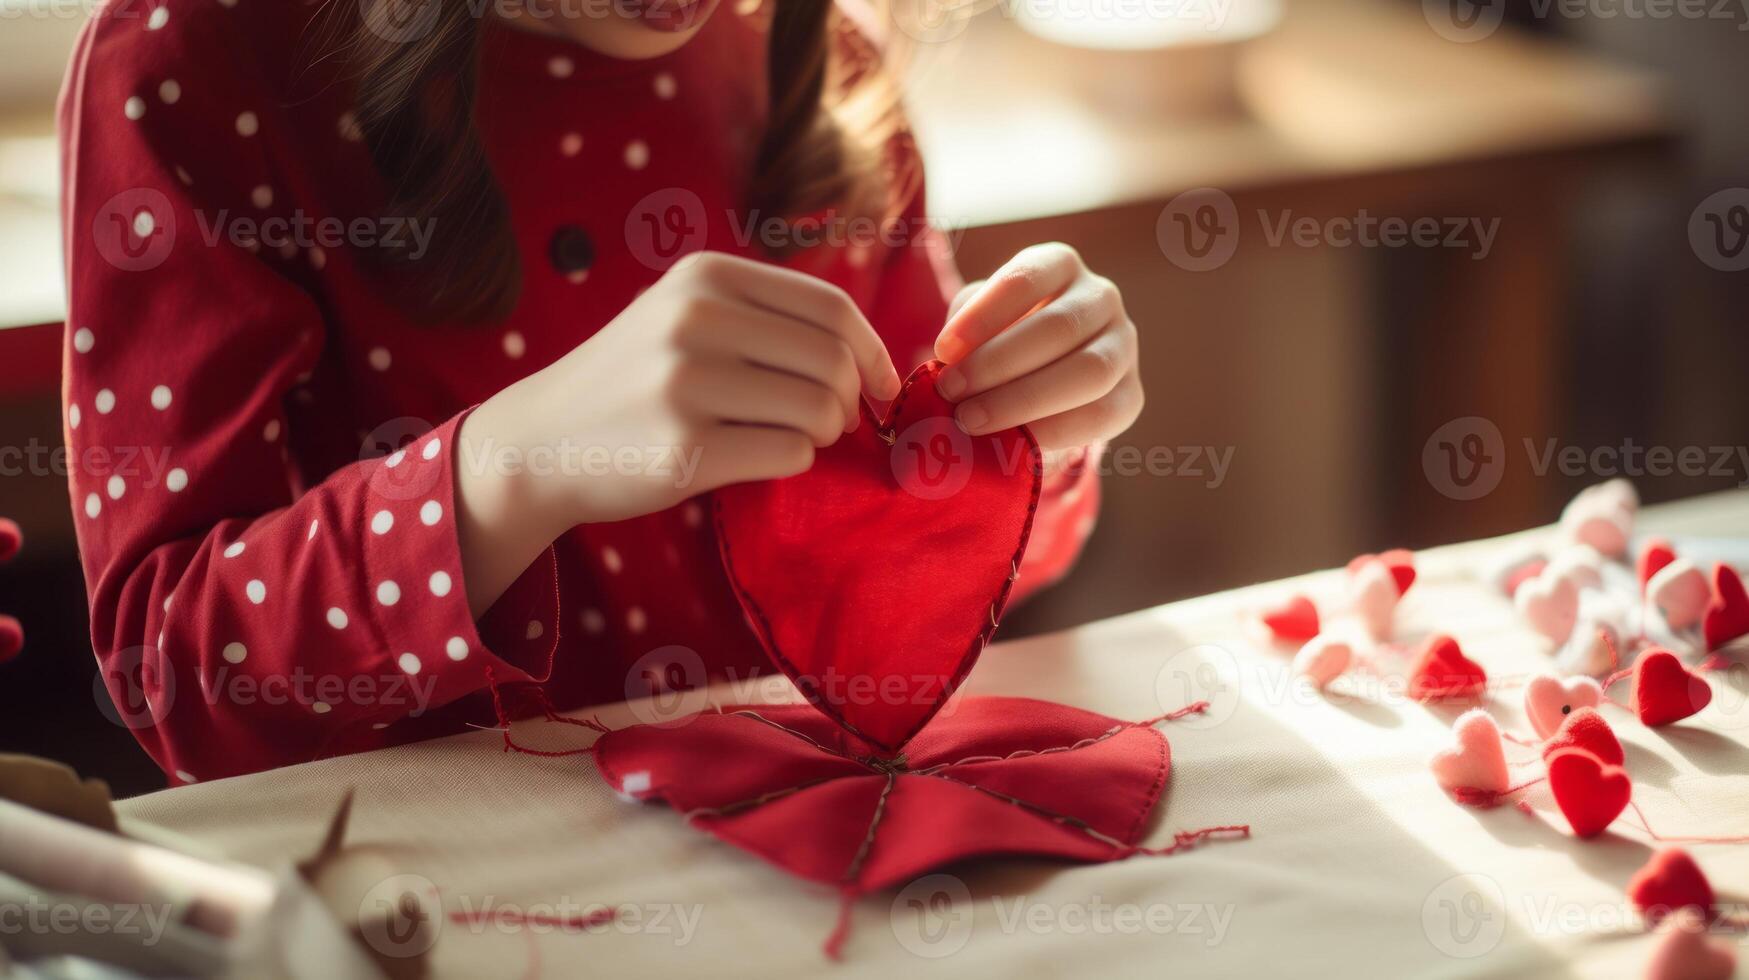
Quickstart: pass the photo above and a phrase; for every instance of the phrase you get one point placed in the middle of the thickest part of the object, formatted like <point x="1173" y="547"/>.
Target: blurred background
<point x="1406" y="273"/>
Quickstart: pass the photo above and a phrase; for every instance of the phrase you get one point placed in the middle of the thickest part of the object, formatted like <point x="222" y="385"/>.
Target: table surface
<point x="1358" y="862"/>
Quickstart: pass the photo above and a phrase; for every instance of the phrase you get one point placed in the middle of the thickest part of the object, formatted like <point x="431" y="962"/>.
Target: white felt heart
<point x="1548" y="700"/>
<point x="1581" y="563"/>
<point x="1600" y="519"/>
<point x="1593" y="649"/>
<point x="1372" y="598"/>
<point x="1508" y="568"/>
<point x="1477" y="758"/>
<point x="1323" y="659"/>
<point x="1550" y="605"/>
<point x="1679" y="591"/>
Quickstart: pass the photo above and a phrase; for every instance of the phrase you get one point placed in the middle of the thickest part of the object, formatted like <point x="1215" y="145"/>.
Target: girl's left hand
<point x="1044" y="343"/>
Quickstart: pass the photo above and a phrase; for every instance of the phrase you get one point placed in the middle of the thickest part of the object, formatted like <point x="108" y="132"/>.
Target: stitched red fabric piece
<point x="990" y="776"/>
<point x="876" y="578"/>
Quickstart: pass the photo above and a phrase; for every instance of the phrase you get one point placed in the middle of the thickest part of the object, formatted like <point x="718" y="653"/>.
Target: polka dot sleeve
<point x="243" y="619"/>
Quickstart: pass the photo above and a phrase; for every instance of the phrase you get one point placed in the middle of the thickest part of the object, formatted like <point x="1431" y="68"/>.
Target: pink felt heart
<point x="1598" y="521"/>
<point x="1665" y="691"/>
<point x="1586" y="729"/>
<point x="1727" y="615"/>
<point x="1400" y="562"/>
<point x="1680" y="593"/>
<point x="1548" y="700"/>
<point x="1373" y="595"/>
<point x="1323" y="659"/>
<point x="1669" y="882"/>
<point x="1590" y="792"/>
<point x="875" y="579"/>
<point x="1592" y="649"/>
<point x="1685" y="952"/>
<point x="1477" y="758"/>
<point x="1654" y="555"/>
<point x="1294" y="618"/>
<point x="1549" y="603"/>
<point x="1581" y="563"/>
<point x="1442" y="671"/>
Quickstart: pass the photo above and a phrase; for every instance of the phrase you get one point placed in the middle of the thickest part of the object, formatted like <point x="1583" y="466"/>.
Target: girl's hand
<point x="725" y="371"/>
<point x="1045" y="343"/>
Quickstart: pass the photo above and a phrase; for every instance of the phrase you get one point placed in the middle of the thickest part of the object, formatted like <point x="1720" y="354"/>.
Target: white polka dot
<point x="93" y="505"/>
<point x="337" y="617"/>
<point x="256" y="590"/>
<point x="578" y="278"/>
<point x="430" y="513"/>
<point x="637" y="154"/>
<point x="248" y="124"/>
<point x="694" y="515"/>
<point x="593" y="622"/>
<point x="377" y="725"/>
<point x="312" y="535"/>
<point x="158" y="18"/>
<point x="440" y="584"/>
<point x="144" y="223"/>
<point x="350" y="130"/>
<point x="288" y="250"/>
<point x="610" y="559"/>
<point x="185" y="777"/>
<point x="235" y="549"/>
<point x="183" y="175"/>
<point x="270" y="431"/>
<point x="379" y="358"/>
<point x="105" y="402"/>
<point x="381" y="522"/>
<point x="561" y="67"/>
<point x="431" y="449"/>
<point x="535" y="629"/>
<point x="261" y="197"/>
<point x="134" y="108"/>
<point x="665" y="86"/>
<point x="235" y="652"/>
<point x="73" y="416"/>
<point x="318" y="259"/>
<point x="321" y="707"/>
<point x="176" y="480"/>
<point x="161" y="397"/>
<point x="388" y="593"/>
<point x="636" y="620"/>
<point x="83" y="340"/>
<point x="117" y="487"/>
<point x="571" y="144"/>
<point x="409" y="663"/>
<point x="456" y="648"/>
<point x="170" y="91"/>
<point x="514" y="345"/>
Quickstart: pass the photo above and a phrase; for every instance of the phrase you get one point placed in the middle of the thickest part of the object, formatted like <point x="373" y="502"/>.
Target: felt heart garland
<point x="1665" y="691"/>
<point x="1686" y="953"/>
<point x="1399" y="561"/>
<point x="1727" y="615"/>
<point x="1586" y="729"/>
<point x="1669" y="882"/>
<point x="1294" y="619"/>
<point x="1550" y="700"/>
<point x="1654" y="555"/>
<point x="875" y="579"/>
<point x="1442" y="671"/>
<point x="1590" y="792"/>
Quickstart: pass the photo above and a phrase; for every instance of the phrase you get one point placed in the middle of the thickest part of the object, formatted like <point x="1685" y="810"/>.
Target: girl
<point x="454" y="231"/>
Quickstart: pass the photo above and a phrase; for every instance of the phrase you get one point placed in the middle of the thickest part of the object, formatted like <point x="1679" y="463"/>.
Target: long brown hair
<point x="415" y="108"/>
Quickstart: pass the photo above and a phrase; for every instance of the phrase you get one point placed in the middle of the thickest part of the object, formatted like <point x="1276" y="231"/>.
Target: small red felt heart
<point x="1586" y="729"/>
<point x="1442" y="671"/>
<point x="1656" y="553"/>
<point x="1665" y="690"/>
<point x="876" y="578"/>
<point x="1727" y="616"/>
<point x="1671" y="881"/>
<point x="1401" y="562"/>
<point x="1295" y="619"/>
<point x="1591" y="793"/>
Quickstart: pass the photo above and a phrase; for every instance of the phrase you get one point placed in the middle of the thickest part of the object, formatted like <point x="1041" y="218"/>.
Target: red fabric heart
<point x="1442" y="671"/>
<point x="1665" y="690"/>
<point x="1294" y="619"/>
<point x="875" y="579"/>
<point x="1401" y="562"/>
<point x="1656" y="553"/>
<point x="1727" y="616"/>
<point x="1671" y="881"/>
<point x="1591" y="793"/>
<point x="1585" y="729"/>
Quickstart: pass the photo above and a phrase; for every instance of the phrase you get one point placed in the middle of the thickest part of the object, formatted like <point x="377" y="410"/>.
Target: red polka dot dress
<point x="263" y="447"/>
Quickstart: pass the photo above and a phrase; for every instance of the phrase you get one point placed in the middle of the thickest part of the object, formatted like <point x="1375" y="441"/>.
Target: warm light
<point x="1132" y="25"/>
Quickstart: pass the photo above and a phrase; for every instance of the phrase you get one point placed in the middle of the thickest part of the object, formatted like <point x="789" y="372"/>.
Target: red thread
<point x="550" y="714"/>
<point x="1486" y="798"/>
<point x="834" y="945"/>
<point x="1184" y="840"/>
<point x="1194" y="708"/>
<point x="1646" y="828"/>
<point x="511" y="917"/>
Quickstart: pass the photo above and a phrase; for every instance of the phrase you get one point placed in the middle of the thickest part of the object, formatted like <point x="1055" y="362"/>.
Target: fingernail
<point x="892" y="387"/>
<point x="951" y="384"/>
<point x="950" y="349"/>
<point x="971" y="417"/>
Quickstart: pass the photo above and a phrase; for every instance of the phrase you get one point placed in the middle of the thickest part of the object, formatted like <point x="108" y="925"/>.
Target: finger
<point x="1080" y="377"/>
<point x="740" y="453"/>
<point x="783" y="343"/>
<point x="1033" y="277"/>
<point x="817" y="302"/>
<point x="1042" y="336"/>
<point x="1090" y="423"/>
<point x="966" y="292"/>
<point x="734" y="391"/>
